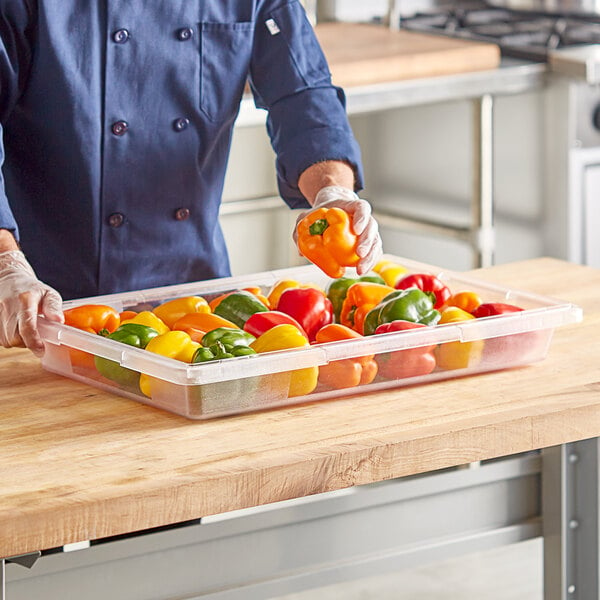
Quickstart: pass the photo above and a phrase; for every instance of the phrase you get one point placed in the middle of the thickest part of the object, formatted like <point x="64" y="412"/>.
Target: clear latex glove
<point x="369" y="246"/>
<point x="22" y="298"/>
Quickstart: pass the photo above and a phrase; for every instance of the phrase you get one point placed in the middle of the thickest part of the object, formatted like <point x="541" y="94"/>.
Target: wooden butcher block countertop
<point x="77" y="463"/>
<point x="361" y="54"/>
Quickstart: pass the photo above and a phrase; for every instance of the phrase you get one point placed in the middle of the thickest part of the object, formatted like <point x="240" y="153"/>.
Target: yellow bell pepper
<point x="284" y="337"/>
<point x="457" y="355"/>
<point x="173" y="344"/>
<point x="390" y="271"/>
<point x="172" y="310"/>
<point x="150" y="319"/>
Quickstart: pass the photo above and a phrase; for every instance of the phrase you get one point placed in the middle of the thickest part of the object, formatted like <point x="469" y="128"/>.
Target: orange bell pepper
<point x="467" y="301"/>
<point x="362" y="296"/>
<point x="197" y="324"/>
<point x="326" y="238"/>
<point x="127" y="314"/>
<point x="348" y="372"/>
<point x="92" y="318"/>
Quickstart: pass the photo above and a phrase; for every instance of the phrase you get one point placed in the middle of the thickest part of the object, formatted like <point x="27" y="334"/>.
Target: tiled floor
<point x="508" y="573"/>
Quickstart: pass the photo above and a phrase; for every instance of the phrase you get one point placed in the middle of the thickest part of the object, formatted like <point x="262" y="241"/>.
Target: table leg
<point x="571" y="525"/>
<point x="2" y="579"/>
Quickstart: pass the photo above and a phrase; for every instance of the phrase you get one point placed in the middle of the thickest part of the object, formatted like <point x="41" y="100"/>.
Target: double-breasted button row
<point x="117" y="219"/>
<point x="121" y="36"/>
<point x="120" y="128"/>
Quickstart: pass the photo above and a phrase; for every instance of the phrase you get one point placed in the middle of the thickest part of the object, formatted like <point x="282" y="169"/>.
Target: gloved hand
<point x="369" y="246"/>
<point x="22" y="298"/>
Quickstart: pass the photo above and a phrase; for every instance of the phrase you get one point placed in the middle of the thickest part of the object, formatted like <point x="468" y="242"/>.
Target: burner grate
<point x="521" y="34"/>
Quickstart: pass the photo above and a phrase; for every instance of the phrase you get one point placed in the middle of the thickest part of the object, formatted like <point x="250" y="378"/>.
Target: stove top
<point x="520" y="34"/>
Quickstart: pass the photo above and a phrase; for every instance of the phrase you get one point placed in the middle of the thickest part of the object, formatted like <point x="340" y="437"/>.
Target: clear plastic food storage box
<point x="246" y="383"/>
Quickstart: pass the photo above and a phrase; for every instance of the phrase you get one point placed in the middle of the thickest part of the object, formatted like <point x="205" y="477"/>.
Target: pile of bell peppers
<point x="241" y="323"/>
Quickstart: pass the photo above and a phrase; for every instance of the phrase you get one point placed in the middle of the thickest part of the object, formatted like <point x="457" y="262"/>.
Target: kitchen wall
<point x="417" y="160"/>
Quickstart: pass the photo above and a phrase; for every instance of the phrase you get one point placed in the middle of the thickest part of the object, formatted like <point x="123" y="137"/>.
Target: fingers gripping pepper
<point x="402" y="305"/>
<point x="427" y="283"/>
<point x="326" y="238"/>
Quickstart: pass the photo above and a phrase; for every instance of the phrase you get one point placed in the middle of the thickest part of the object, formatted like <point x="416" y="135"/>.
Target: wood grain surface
<point x="77" y="463"/>
<point x="361" y="54"/>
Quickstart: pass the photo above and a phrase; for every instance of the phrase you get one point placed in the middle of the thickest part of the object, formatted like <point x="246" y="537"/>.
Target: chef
<point x="116" y="120"/>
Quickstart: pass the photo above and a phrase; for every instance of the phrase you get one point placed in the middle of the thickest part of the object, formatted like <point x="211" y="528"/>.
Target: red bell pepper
<point x="260" y="322"/>
<point x="410" y="362"/>
<point x="309" y="306"/>
<point x="506" y="349"/>
<point x="490" y="309"/>
<point x="427" y="283"/>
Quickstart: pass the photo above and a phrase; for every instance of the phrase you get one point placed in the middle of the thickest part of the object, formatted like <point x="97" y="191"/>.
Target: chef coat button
<point x="120" y="128"/>
<point x="181" y="214"/>
<point x="180" y="124"/>
<point x="184" y="34"/>
<point x="116" y="220"/>
<point x="120" y="36"/>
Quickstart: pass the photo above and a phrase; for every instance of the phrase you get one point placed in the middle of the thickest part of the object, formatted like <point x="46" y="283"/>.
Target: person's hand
<point x="369" y="246"/>
<point x="22" y="298"/>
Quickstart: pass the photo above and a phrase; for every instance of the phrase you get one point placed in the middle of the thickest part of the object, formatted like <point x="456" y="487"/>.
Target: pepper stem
<point x="318" y="227"/>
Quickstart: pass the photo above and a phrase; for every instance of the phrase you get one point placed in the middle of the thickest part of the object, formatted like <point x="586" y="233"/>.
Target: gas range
<point x="521" y="34"/>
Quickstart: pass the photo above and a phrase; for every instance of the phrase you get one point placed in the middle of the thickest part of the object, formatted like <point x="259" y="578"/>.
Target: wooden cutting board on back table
<point x="362" y="54"/>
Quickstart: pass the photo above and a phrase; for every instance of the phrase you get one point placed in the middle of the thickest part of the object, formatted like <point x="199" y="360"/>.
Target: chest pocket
<point x="225" y="51"/>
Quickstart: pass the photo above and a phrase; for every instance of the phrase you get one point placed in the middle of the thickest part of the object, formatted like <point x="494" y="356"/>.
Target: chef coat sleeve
<point x="15" y="54"/>
<point x="289" y="76"/>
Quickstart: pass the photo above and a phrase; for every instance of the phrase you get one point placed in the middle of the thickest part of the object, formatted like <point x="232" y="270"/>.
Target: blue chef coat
<point x="117" y="118"/>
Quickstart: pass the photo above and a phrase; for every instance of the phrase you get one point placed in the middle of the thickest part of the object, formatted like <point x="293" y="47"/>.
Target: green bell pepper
<point x="239" y="306"/>
<point x="224" y="342"/>
<point x="228" y="336"/>
<point x="402" y="305"/>
<point x="218" y="351"/>
<point x="338" y="289"/>
<point x="132" y="334"/>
